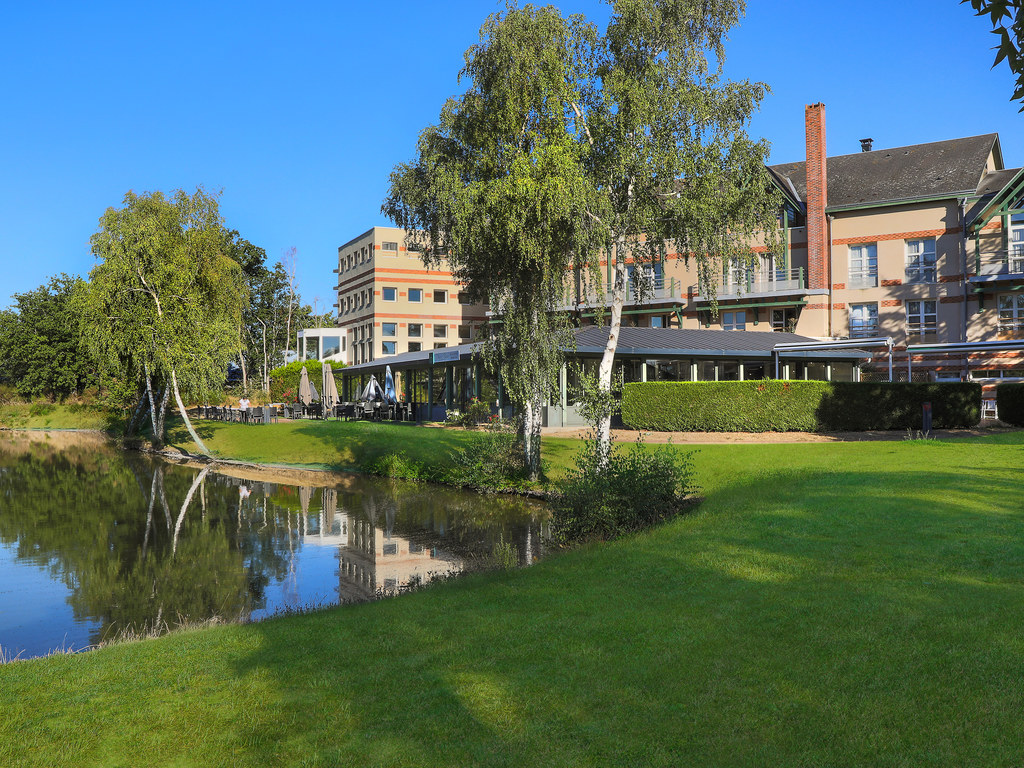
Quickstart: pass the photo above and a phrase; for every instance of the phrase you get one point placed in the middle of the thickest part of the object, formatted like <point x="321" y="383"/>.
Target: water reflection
<point x="95" y="542"/>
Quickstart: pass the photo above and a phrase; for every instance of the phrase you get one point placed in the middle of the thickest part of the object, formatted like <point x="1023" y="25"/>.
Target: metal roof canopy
<point x="805" y="346"/>
<point x="963" y="346"/>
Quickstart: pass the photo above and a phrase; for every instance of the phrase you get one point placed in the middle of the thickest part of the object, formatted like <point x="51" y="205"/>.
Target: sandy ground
<point x="716" y="438"/>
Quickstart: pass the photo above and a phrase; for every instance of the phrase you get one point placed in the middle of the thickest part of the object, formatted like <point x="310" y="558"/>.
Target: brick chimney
<point x="818" y="252"/>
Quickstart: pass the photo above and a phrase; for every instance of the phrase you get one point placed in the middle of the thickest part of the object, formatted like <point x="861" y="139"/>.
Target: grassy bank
<point x="43" y="415"/>
<point x="836" y="604"/>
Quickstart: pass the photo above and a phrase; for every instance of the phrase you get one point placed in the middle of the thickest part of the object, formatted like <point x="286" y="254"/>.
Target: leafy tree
<point x="573" y="147"/>
<point x="164" y="301"/>
<point x="1011" y="41"/>
<point x="499" y="191"/>
<point x="41" y="349"/>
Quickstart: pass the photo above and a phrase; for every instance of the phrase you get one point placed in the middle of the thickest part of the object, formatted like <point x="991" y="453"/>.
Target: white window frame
<point x="416" y="301"/>
<point x="443" y="292"/>
<point x="866" y="325"/>
<point x="443" y="328"/>
<point x="920" y="261"/>
<point x="384" y="330"/>
<point x="735" y="320"/>
<point x="419" y="331"/>
<point x="863" y="266"/>
<point x="384" y="293"/>
<point x="924" y="320"/>
<point x="1010" y="307"/>
<point x="1016" y="243"/>
<point x="384" y="347"/>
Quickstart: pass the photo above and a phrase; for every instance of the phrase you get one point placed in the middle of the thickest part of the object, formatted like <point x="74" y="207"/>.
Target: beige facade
<point x="390" y="303"/>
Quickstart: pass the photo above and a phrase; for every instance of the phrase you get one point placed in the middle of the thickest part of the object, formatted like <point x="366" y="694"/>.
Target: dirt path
<point x="715" y="438"/>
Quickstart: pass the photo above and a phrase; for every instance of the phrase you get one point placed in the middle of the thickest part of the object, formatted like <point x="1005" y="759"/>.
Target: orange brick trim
<point x="817" y="306"/>
<point x="951" y="279"/>
<point x="892" y="303"/>
<point x="896" y="236"/>
<point x="891" y="283"/>
<point x="840" y="305"/>
<point x="376" y="293"/>
<point x="951" y="300"/>
<point x="838" y="286"/>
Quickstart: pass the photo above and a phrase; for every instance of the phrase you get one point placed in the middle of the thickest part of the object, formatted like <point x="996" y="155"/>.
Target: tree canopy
<point x="164" y="300"/>
<point x="1007" y="17"/>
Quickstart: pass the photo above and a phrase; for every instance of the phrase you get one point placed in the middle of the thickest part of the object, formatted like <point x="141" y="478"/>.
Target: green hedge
<point x="785" y="406"/>
<point x="284" y="381"/>
<point x="1010" y="403"/>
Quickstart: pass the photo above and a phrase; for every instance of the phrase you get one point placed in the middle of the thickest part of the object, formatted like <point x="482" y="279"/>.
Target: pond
<point x="98" y="543"/>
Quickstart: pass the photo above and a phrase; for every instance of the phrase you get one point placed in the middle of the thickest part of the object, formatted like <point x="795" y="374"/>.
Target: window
<point x="312" y="348"/>
<point x="440" y="297"/>
<point x="416" y="295"/>
<point x="440" y="331"/>
<point x="784" y="320"/>
<point x="388" y="329"/>
<point x="415" y="330"/>
<point x="1017" y="243"/>
<point x="1011" y="315"/>
<point x="863" y="320"/>
<point x="863" y="266"/>
<point x="464" y="298"/>
<point x="414" y="346"/>
<point x="332" y="345"/>
<point x="734" y="321"/>
<point x="921" y="318"/>
<point x="389" y="294"/>
<point x="440" y="346"/>
<point x="389" y="247"/>
<point x="390" y="549"/>
<point x="920" y="261"/>
<point x="387" y="347"/>
<point x="465" y="332"/>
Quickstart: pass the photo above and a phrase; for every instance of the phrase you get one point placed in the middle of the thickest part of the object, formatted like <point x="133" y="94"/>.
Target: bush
<point x="1010" y="403"/>
<point x="637" y="489"/>
<point x="284" y="381"/>
<point x="41" y="408"/>
<point x="782" y="406"/>
<point x="400" y="466"/>
<point x="494" y="461"/>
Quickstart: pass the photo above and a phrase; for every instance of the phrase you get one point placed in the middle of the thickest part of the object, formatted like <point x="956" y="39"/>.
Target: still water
<point x="97" y="542"/>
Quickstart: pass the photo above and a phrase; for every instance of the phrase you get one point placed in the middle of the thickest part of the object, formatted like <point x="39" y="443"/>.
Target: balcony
<point x="862" y="280"/>
<point x="992" y="267"/>
<point x="655" y="290"/>
<point x="755" y="282"/>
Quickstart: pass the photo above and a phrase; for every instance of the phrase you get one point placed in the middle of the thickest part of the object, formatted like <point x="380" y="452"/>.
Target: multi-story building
<point x="922" y="243"/>
<point x="390" y="303"/>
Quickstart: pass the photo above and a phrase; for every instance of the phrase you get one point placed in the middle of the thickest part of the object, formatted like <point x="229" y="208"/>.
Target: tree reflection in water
<point x="142" y="545"/>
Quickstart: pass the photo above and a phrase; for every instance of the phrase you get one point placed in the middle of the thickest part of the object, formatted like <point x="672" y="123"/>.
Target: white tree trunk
<point x="152" y="405"/>
<point x="184" y="415"/>
<point x="604" y="374"/>
<point x="184" y="509"/>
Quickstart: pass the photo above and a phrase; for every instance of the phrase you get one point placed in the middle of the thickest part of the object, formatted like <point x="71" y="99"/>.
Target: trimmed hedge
<point x="787" y="406"/>
<point x="1010" y="403"/>
<point x="284" y="381"/>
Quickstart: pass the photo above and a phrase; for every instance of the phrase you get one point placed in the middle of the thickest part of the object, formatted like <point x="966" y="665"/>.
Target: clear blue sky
<point x="298" y="112"/>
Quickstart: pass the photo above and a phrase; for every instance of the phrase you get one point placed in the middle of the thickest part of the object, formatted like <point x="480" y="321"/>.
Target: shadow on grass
<point x="800" y="618"/>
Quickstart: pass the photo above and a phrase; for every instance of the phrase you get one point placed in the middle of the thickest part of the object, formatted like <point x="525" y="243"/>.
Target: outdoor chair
<point x="256" y="415"/>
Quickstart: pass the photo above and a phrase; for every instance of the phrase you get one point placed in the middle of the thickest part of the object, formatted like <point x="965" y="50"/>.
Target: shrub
<point x="1010" y="403"/>
<point x="398" y="465"/>
<point x="494" y="461"/>
<point x="41" y="408"/>
<point x="780" y="406"/>
<point x="284" y="381"/>
<point x="637" y="489"/>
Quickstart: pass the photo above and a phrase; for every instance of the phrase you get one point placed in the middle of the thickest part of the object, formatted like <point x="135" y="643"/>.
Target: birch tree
<point x="163" y="298"/>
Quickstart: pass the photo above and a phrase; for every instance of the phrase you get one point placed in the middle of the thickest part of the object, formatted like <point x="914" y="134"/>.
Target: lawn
<point x="44" y="415"/>
<point x="829" y="604"/>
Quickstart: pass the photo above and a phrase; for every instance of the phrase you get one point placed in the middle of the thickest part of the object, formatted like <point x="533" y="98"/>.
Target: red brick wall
<point x="818" y="255"/>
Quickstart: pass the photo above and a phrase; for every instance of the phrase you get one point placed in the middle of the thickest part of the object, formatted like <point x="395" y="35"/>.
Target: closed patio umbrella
<point x="329" y="389"/>
<point x="389" y="387"/>
<point x="372" y="391"/>
<point x="305" y="391"/>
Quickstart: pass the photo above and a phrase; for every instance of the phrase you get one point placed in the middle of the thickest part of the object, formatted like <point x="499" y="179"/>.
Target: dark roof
<point x="939" y="169"/>
<point x="680" y="342"/>
<point x="994" y="181"/>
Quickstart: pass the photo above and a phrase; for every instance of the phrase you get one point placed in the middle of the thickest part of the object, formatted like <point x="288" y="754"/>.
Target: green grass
<point x="829" y="604"/>
<point x="337" y="445"/>
<point x="53" y="416"/>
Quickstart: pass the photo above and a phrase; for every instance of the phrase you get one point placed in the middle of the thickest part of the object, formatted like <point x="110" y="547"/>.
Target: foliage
<point x="1011" y="41"/>
<point x="477" y="412"/>
<point x="284" y="380"/>
<point x="492" y="462"/>
<point x="781" y="406"/>
<point x="398" y="465"/>
<point x="498" y="193"/>
<point x="606" y="496"/>
<point x="1010" y="403"/>
<point x="42" y="353"/>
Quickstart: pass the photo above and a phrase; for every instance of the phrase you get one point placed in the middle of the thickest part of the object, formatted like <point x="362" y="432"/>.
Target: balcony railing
<point x="1003" y="263"/>
<point x="743" y="282"/>
<point x="862" y="280"/>
<point x="655" y="289"/>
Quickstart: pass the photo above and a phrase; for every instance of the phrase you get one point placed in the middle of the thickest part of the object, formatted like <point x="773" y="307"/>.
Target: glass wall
<point x="332" y="346"/>
<point x="312" y="345"/>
